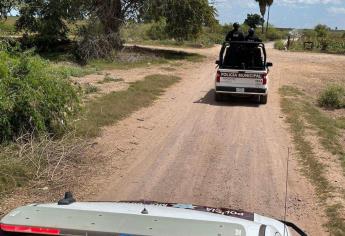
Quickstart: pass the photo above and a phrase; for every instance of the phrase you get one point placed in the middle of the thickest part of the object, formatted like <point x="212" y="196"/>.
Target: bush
<point x="35" y="97"/>
<point x="332" y="97"/>
<point x="157" y="30"/>
<point x="274" y="34"/>
<point x="279" y="44"/>
<point x="134" y="32"/>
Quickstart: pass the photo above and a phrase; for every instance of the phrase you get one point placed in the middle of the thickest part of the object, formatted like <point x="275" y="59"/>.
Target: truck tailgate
<point x="242" y="79"/>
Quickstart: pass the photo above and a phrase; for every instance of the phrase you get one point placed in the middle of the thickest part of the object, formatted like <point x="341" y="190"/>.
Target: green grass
<point x="279" y="44"/>
<point x="110" y="108"/>
<point x="88" y="89"/>
<point x="173" y="43"/>
<point x="7" y="27"/>
<point x="298" y="111"/>
<point x="122" y="65"/>
<point x="328" y="131"/>
<point x="336" y="45"/>
<point x="333" y="96"/>
<point x="109" y="79"/>
<point x="340" y="122"/>
<point x="73" y="70"/>
<point x="131" y="57"/>
<point x="169" y="68"/>
<point x="290" y="91"/>
<point x="337" y="224"/>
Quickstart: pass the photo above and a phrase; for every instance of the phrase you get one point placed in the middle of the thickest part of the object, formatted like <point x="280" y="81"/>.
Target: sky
<point x="287" y="13"/>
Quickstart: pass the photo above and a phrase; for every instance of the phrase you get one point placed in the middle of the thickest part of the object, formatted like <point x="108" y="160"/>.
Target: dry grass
<point x="30" y="160"/>
<point x="303" y="115"/>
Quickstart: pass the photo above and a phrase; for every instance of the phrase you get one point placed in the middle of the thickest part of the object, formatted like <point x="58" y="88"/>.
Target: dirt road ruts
<point x="188" y="148"/>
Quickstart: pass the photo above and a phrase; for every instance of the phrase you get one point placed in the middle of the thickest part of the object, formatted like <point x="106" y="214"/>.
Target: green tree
<point x="47" y="19"/>
<point x="253" y="20"/>
<point x="185" y="18"/>
<point x="322" y="30"/>
<point x="5" y="7"/>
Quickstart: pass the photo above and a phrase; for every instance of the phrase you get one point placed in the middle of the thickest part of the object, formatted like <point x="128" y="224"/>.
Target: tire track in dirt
<point x="187" y="148"/>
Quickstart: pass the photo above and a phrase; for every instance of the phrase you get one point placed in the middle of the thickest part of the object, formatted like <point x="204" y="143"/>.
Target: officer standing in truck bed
<point x="235" y="34"/>
<point x="251" y="37"/>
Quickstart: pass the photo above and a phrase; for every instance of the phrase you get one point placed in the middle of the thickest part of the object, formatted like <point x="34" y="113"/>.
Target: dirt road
<point x="187" y="148"/>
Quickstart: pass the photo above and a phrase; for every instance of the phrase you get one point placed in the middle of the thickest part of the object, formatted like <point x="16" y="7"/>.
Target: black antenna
<point x="144" y="211"/>
<point x="286" y="189"/>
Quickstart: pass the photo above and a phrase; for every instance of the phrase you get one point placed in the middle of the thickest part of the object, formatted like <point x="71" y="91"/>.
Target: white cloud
<point x="336" y="10"/>
<point x="298" y="3"/>
<point x="310" y="2"/>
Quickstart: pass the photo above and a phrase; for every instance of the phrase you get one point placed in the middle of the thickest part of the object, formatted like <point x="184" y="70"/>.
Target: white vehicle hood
<point x="159" y="219"/>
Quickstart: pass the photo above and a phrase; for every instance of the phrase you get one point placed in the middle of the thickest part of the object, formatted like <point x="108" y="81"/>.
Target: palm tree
<point x="269" y="4"/>
<point x="263" y="5"/>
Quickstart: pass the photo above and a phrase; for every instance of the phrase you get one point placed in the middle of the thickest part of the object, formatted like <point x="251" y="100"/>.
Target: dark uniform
<point x="232" y="56"/>
<point x="235" y="34"/>
<point x="251" y="37"/>
<point x="253" y="55"/>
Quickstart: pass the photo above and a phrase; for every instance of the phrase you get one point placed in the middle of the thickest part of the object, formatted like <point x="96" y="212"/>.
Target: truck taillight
<point x="264" y="79"/>
<point x="218" y="76"/>
<point x="29" y="229"/>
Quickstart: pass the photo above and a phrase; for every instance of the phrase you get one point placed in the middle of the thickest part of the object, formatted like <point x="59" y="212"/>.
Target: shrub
<point x="274" y="34"/>
<point x="89" y="88"/>
<point x="35" y="97"/>
<point x="157" y="30"/>
<point x="332" y="97"/>
<point x="279" y="44"/>
<point x="134" y="32"/>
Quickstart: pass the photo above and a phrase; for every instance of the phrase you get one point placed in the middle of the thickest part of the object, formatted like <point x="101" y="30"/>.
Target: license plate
<point x="240" y="90"/>
<point x="229" y="78"/>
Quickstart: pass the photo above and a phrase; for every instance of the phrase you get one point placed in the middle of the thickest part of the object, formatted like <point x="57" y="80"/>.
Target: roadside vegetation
<point x="279" y="44"/>
<point x="154" y="34"/>
<point x="42" y="162"/>
<point x="110" y="108"/>
<point x="319" y="39"/>
<point x="44" y="113"/>
<point x="36" y="97"/>
<point x="45" y="121"/>
<point x="333" y="96"/>
<point x="8" y="27"/>
<point x="305" y="118"/>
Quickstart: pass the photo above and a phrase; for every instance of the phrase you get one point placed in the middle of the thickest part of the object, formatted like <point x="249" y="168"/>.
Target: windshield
<point x="187" y="101"/>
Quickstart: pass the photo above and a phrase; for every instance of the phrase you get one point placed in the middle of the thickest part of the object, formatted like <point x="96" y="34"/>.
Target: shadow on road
<point x="228" y="100"/>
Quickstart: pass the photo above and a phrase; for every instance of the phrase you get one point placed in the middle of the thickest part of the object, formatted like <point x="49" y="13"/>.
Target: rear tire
<point x="218" y="97"/>
<point x="263" y="99"/>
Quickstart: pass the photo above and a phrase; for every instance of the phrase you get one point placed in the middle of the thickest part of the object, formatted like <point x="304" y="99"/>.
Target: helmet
<point x="236" y="25"/>
<point x="251" y="31"/>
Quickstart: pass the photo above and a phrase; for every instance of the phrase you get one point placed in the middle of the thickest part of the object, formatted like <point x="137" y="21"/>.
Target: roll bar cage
<point x="240" y="43"/>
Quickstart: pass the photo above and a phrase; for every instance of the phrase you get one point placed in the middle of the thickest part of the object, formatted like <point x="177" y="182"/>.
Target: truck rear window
<point x="246" y="57"/>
